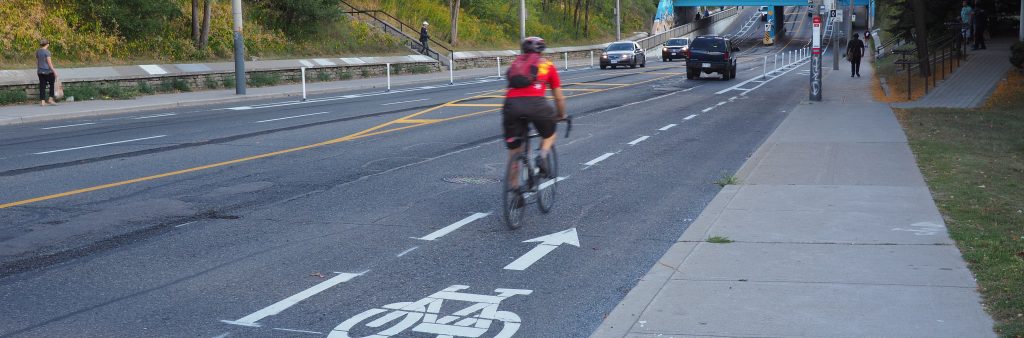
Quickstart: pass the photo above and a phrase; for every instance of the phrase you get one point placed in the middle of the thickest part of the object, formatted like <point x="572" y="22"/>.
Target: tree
<point x="132" y="19"/>
<point x="298" y="18"/>
<point x="455" y="4"/>
<point x="921" y="26"/>
<point x="201" y="31"/>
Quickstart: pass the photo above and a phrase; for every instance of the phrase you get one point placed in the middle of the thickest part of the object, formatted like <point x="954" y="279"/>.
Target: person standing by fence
<point x="47" y="73"/>
<point x="424" y="37"/>
<point x="980" y="25"/>
<point x="966" y="13"/>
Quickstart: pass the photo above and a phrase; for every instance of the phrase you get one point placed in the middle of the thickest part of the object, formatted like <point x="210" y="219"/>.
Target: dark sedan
<point x="623" y="53"/>
<point x="675" y="49"/>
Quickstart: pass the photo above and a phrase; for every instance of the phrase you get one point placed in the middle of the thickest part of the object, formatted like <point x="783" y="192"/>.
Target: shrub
<point x="323" y="76"/>
<point x="364" y="73"/>
<point x="82" y="91"/>
<point x="181" y="85"/>
<point x="228" y="82"/>
<point x="115" y="91"/>
<point x="263" y="79"/>
<point x="12" y="96"/>
<point x="1017" y="55"/>
<point x="419" y="69"/>
<point x="345" y="76"/>
<point x="211" y="83"/>
<point x="145" y="88"/>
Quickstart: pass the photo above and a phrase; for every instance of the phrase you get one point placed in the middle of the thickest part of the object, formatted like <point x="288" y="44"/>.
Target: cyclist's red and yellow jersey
<point x="547" y="75"/>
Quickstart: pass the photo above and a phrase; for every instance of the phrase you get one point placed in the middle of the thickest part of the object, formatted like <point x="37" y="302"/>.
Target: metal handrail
<point x="401" y="29"/>
<point x="660" y="38"/>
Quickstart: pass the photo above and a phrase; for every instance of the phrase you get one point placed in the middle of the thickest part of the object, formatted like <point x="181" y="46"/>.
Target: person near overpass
<point x="854" y="52"/>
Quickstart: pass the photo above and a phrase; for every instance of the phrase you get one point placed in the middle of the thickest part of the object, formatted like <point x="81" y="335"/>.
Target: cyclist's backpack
<point x="523" y="71"/>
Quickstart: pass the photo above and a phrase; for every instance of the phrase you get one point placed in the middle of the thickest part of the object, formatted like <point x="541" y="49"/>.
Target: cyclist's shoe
<point x="519" y="202"/>
<point x="545" y="167"/>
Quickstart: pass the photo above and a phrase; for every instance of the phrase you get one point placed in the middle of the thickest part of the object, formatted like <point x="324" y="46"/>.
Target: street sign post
<point x="816" y="60"/>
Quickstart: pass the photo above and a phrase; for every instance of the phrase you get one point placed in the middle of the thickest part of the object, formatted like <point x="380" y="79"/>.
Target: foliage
<point x="973" y="161"/>
<point x="900" y="17"/>
<point x="131" y="19"/>
<point x="13" y="96"/>
<point x="1017" y="54"/>
<point x="297" y="18"/>
<point x="260" y="79"/>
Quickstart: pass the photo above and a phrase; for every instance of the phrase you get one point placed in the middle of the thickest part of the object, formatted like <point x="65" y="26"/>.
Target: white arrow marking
<point x="276" y="308"/>
<point x="454" y="226"/>
<point x="547" y="244"/>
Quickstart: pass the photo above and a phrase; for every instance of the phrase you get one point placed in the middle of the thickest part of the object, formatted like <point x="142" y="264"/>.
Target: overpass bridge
<point x="775" y="9"/>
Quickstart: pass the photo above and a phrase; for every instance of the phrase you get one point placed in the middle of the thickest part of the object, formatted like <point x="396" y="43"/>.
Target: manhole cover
<point x="470" y="180"/>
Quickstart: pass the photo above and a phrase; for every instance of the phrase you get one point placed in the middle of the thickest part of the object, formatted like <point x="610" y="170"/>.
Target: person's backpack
<point x="523" y="71"/>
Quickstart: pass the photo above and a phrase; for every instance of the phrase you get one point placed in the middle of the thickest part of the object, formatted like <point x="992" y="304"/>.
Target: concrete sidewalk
<point x="973" y="82"/>
<point x="836" y="235"/>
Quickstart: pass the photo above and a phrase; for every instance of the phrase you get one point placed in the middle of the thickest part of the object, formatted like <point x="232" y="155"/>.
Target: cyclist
<point x="528" y="104"/>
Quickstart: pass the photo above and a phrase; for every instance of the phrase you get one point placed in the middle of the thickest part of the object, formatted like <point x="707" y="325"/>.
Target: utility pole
<point x="522" y="20"/>
<point x="236" y="9"/>
<point x="834" y="41"/>
<point x="1021" y="36"/>
<point x="618" y="22"/>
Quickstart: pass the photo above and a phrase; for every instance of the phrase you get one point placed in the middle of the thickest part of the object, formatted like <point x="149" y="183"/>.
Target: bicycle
<point x="425" y="316"/>
<point x="529" y="182"/>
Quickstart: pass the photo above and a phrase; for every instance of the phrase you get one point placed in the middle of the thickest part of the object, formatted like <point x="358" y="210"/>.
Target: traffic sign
<point x="816" y="38"/>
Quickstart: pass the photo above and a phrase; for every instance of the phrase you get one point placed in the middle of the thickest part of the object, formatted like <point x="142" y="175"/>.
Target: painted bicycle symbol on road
<point x="424" y="316"/>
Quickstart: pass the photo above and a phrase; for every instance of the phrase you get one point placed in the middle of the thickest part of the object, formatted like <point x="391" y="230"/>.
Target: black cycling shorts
<point x="535" y="109"/>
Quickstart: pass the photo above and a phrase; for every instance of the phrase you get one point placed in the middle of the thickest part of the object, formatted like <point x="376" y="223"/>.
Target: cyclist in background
<point x="525" y="102"/>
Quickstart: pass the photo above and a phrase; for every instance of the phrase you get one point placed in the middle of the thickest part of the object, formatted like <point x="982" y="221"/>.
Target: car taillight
<point x="687" y="53"/>
<point x="726" y="56"/>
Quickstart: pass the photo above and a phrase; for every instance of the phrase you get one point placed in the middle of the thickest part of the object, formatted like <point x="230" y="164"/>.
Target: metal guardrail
<point x="389" y="24"/>
<point x="658" y="39"/>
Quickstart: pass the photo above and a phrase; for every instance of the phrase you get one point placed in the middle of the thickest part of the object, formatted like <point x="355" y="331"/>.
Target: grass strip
<point x="973" y="160"/>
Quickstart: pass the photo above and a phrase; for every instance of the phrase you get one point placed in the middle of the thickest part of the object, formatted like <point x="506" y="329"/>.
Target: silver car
<point x="623" y="53"/>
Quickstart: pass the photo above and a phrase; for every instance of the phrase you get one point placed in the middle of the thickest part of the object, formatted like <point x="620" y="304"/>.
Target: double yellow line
<point x="406" y="122"/>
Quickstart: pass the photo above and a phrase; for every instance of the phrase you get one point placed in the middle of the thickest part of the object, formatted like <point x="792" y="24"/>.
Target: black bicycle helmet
<point x="533" y="44"/>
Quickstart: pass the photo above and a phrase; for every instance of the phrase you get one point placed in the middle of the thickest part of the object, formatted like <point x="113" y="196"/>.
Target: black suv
<point x="711" y="54"/>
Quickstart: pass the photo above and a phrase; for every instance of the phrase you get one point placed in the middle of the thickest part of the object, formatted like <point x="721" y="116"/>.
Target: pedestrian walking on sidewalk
<point x="47" y="73"/>
<point x="980" y="25"/>
<point x="854" y="51"/>
<point x="424" y="37"/>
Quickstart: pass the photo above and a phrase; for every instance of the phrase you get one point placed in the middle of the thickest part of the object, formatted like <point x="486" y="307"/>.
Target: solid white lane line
<point x="667" y="127"/>
<point x="99" y="145"/>
<point x="291" y="117"/>
<point x="401" y="102"/>
<point x="299" y="331"/>
<point x="407" y="251"/>
<point x="599" y="159"/>
<point x="153" y="116"/>
<point x="707" y="109"/>
<point x="276" y="308"/>
<point x="638" y="140"/>
<point x="454" y="226"/>
<point x="690" y="117"/>
<point x="69" y="126"/>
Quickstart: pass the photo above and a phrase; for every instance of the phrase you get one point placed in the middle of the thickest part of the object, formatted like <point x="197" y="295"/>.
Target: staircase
<point x="409" y="35"/>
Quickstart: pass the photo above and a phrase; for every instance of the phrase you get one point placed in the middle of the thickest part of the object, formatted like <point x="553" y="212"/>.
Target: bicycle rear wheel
<point x="513" y="199"/>
<point x="546" y="185"/>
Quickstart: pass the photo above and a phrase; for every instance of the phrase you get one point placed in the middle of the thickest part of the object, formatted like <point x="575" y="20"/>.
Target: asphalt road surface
<point x="365" y="213"/>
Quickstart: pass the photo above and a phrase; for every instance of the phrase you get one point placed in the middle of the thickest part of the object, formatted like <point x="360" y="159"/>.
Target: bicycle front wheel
<point x="546" y="186"/>
<point x="513" y="200"/>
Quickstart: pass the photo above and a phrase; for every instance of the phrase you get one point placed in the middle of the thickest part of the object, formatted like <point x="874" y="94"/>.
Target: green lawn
<point x="973" y="161"/>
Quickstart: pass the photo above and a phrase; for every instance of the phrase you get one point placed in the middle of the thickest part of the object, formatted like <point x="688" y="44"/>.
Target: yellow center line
<point x="405" y="122"/>
<point x="474" y="105"/>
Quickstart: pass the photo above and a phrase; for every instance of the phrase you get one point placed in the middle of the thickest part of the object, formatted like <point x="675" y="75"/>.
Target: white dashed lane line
<point x="707" y="109"/>
<point x="667" y="127"/>
<point x="153" y="116"/>
<point x="69" y="126"/>
<point x="689" y="117"/>
<point x="99" y="145"/>
<point x="401" y="102"/>
<point x="599" y="159"/>
<point x="291" y="117"/>
<point x="638" y="140"/>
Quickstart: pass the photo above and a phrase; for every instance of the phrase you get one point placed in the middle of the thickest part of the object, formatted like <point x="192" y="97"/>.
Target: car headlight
<point x="604" y="55"/>
<point x="664" y="49"/>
